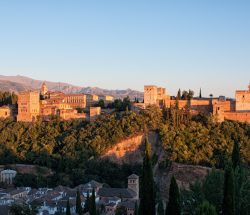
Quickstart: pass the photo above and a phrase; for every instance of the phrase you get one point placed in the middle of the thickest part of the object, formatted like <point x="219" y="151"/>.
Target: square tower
<point x="133" y="184"/>
<point x="28" y="106"/>
<point x="243" y="100"/>
<point x="150" y="95"/>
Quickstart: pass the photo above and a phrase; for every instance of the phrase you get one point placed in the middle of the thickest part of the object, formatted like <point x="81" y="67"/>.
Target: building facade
<point x="243" y="100"/>
<point x="221" y="108"/>
<point x="28" y="106"/>
<point x="91" y="100"/>
<point x="5" y="112"/>
<point x="44" y="104"/>
<point x="7" y="176"/>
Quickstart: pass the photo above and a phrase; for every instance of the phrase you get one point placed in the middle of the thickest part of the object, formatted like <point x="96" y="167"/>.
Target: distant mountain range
<point x="21" y="83"/>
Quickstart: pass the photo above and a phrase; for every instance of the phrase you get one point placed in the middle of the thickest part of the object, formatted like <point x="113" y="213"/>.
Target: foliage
<point x="236" y="155"/>
<point x="120" y="105"/>
<point x="18" y="209"/>
<point x="68" y="208"/>
<point x="191" y="199"/>
<point x="92" y="210"/>
<point x="205" y="143"/>
<point x="160" y="208"/>
<point x="213" y="188"/>
<point x="101" y="104"/>
<point x="69" y="147"/>
<point x="87" y="204"/>
<point x="242" y="191"/>
<point x="78" y="203"/>
<point x="206" y="209"/>
<point x="8" y="98"/>
<point x="147" y="202"/>
<point x="228" y="205"/>
<point x="173" y="206"/>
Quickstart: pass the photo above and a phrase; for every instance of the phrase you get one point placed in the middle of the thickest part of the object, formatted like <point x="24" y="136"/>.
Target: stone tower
<point x="28" y="106"/>
<point x="44" y="89"/>
<point x="133" y="184"/>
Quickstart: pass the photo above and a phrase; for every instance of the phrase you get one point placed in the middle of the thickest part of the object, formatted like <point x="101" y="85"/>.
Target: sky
<point x="120" y="44"/>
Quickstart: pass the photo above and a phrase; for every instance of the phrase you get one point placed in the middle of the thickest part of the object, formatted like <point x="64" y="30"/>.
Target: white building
<point x="7" y="176"/>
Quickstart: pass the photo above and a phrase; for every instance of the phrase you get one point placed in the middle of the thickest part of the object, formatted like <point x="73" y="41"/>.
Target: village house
<point x="7" y="176"/>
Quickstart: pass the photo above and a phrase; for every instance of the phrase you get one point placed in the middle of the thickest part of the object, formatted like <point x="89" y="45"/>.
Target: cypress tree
<point x="200" y="96"/>
<point x="136" y="209"/>
<point x="92" y="210"/>
<point x="236" y="155"/>
<point x="87" y="203"/>
<point x="173" y="206"/>
<point x="78" y="203"/>
<point x="147" y="203"/>
<point x="160" y="209"/>
<point x="68" y="209"/>
<point x="179" y="94"/>
<point x="228" y="206"/>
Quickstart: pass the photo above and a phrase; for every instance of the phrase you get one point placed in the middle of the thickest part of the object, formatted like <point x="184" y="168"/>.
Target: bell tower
<point x="44" y="89"/>
<point x="133" y="184"/>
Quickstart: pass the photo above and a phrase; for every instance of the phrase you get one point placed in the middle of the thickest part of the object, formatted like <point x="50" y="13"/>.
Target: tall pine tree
<point x="236" y="155"/>
<point x="79" y="210"/>
<point x="136" y="209"/>
<point x="179" y="94"/>
<point x="87" y="203"/>
<point x="200" y="95"/>
<point x="160" y="208"/>
<point x="228" y="206"/>
<point x="147" y="203"/>
<point x="92" y="209"/>
<point x="68" y="208"/>
<point x="173" y="206"/>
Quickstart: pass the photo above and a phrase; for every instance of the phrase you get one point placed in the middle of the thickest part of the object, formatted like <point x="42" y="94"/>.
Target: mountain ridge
<point x="20" y="83"/>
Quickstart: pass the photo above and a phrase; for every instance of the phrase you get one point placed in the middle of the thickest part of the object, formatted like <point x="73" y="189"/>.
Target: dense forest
<point x="70" y="148"/>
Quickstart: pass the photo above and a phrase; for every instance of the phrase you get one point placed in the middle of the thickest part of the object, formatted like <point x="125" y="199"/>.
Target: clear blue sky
<point x="126" y="44"/>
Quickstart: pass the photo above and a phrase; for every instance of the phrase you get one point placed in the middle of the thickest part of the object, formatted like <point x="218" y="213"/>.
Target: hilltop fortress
<point x="43" y="104"/>
<point x="222" y="108"/>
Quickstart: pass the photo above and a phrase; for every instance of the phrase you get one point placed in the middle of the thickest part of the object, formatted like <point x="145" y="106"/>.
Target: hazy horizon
<point x="120" y="45"/>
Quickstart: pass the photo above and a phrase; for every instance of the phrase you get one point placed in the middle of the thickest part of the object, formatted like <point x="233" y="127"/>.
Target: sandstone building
<point x="155" y="95"/>
<point x="91" y="99"/>
<point x="28" y="106"/>
<point x="43" y="104"/>
<point x="5" y="112"/>
<point x="221" y="108"/>
<point x="243" y="99"/>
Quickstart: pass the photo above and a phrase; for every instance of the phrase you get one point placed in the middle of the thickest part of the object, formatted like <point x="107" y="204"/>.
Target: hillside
<point x="130" y="151"/>
<point x="20" y="83"/>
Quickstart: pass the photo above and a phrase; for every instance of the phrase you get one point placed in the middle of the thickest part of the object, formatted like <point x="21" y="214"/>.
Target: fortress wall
<point x="182" y="103"/>
<point x="203" y="105"/>
<point x="228" y="105"/>
<point x="238" y="116"/>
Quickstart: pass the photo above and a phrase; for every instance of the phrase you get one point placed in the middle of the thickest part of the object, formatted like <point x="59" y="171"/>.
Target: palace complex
<point x="222" y="108"/>
<point x="43" y="104"/>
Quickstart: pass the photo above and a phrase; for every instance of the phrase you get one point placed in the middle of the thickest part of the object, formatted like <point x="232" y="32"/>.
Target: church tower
<point x="133" y="184"/>
<point x="44" y="89"/>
